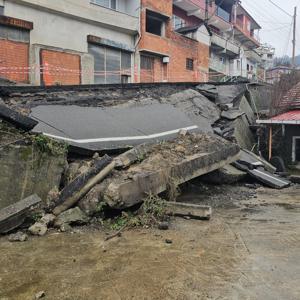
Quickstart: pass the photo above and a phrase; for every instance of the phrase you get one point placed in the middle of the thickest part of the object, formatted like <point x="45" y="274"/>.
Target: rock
<point x="96" y="155"/>
<point x="71" y="173"/>
<point x="40" y="295"/>
<point x="38" y="229"/>
<point x="163" y="226"/>
<point x="18" y="237"/>
<point x="91" y="203"/>
<point x="183" y="132"/>
<point x="47" y="219"/>
<point x="71" y="216"/>
<point x="66" y="228"/>
<point x="52" y="198"/>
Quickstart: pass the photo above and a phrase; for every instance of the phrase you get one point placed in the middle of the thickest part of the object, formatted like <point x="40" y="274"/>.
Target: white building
<point x="68" y="42"/>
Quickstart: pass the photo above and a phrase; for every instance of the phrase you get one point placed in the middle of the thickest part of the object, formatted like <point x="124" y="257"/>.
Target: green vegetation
<point x="47" y="145"/>
<point x="150" y="214"/>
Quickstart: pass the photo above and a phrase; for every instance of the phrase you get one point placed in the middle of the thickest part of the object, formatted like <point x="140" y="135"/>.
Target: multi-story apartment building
<point x="113" y="41"/>
<point x="68" y="41"/>
<point x="174" y="46"/>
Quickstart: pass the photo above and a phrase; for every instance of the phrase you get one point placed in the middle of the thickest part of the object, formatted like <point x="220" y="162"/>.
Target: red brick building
<point x="167" y="54"/>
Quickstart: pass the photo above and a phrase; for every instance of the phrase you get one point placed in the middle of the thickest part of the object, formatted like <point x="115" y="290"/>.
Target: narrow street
<point x="250" y="249"/>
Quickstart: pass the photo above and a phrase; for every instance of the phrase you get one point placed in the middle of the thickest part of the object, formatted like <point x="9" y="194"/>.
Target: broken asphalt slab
<point x="96" y="128"/>
<point x="269" y="179"/>
<point x="17" y="118"/>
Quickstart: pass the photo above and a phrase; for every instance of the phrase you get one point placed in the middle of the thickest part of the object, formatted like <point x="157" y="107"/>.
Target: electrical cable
<point x="280" y="8"/>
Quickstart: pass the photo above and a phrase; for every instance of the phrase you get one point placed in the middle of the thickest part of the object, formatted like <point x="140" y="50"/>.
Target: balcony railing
<point x="220" y="12"/>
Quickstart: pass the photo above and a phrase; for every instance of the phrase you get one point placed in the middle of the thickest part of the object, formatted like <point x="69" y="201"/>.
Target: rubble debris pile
<point x="168" y="163"/>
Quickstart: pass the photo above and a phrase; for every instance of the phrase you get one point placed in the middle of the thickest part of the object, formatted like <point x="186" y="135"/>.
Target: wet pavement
<point x="250" y="249"/>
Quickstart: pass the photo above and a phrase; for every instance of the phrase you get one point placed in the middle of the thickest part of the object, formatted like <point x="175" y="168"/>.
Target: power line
<point x="280" y="8"/>
<point x="277" y="29"/>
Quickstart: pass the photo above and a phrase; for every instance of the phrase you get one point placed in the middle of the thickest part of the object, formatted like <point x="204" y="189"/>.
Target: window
<point x="154" y="24"/>
<point x="222" y="60"/>
<point x="178" y="22"/>
<point x="112" y="4"/>
<point x="1" y="10"/>
<point x="110" y="65"/>
<point x="147" y="62"/>
<point x="190" y="64"/>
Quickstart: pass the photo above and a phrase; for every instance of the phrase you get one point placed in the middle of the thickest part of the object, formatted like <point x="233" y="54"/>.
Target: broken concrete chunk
<point x="208" y="90"/>
<point x="37" y="172"/>
<point x="91" y="203"/>
<point x="47" y="219"/>
<point x="230" y="93"/>
<point x="252" y="161"/>
<point x="232" y="114"/>
<point x="189" y="210"/>
<point x="13" y="216"/>
<point x="135" y="154"/>
<point x="40" y="295"/>
<point x="38" y="229"/>
<point x="269" y="179"/>
<point x="200" y="154"/>
<point x="65" y="228"/>
<point x="18" y="237"/>
<point x="71" y="216"/>
<point x="245" y="107"/>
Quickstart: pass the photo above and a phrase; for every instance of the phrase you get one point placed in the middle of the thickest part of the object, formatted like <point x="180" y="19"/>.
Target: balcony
<point x="124" y="18"/>
<point x="218" y="66"/>
<point x="228" y="47"/>
<point x="220" y="12"/>
<point x="253" y="56"/>
<point x="246" y="37"/>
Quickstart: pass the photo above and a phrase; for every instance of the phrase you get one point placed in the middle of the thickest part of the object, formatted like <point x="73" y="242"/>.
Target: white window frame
<point x="117" y="4"/>
<point x="294" y="148"/>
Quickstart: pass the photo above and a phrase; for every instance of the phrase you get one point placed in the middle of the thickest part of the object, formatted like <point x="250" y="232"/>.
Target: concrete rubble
<point x="157" y="139"/>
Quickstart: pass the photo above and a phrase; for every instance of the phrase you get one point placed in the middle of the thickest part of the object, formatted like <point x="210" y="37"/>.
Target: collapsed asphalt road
<point x="249" y="250"/>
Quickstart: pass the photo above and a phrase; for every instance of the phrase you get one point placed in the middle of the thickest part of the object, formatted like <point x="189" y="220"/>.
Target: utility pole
<point x="206" y="11"/>
<point x="294" y="36"/>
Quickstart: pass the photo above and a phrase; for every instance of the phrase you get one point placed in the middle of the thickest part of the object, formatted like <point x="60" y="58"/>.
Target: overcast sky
<point x="276" y="25"/>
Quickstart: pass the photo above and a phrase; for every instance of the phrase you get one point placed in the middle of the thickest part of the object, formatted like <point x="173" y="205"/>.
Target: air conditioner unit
<point x="166" y="59"/>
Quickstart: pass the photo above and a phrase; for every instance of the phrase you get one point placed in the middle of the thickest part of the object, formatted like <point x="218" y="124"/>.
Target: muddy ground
<point x="250" y="249"/>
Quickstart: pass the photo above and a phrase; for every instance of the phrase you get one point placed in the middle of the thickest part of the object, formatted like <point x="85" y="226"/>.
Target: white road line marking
<point x="118" y="139"/>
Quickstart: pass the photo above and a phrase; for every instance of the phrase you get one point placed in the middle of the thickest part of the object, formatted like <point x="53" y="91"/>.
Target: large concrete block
<point x="25" y="170"/>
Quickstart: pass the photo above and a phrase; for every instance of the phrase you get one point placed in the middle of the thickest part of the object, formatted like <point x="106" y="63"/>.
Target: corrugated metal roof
<point x="292" y="117"/>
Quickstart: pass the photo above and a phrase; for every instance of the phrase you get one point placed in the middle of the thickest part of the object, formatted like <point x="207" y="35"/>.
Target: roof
<point x="291" y="98"/>
<point x="292" y="117"/>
